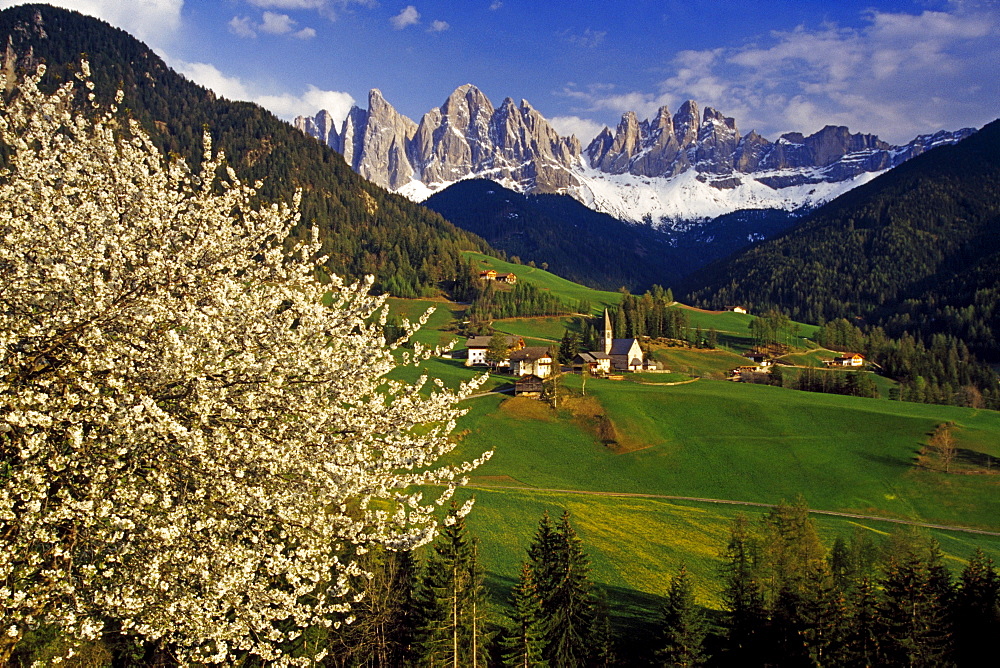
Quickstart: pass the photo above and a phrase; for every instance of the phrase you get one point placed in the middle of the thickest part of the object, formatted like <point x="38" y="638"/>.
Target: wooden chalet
<point x="528" y="386"/>
<point x="596" y="363"/>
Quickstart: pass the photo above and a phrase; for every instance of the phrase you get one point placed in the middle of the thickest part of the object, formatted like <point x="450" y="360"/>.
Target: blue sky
<point x="895" y="68"/>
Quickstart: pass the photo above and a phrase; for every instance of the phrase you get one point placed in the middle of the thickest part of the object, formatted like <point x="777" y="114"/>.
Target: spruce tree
<point x="560" y="569"/>
<point x="976" y="610"/>
<point x="602" y="635"/>
<point x="569" y="346"/>
<point x="863" y="639"/>
<point x="914" y="610"/>
<point x="451" y="629"/>
<point x="526" y="640"/>
<point x="743" y="599"/>
<point x="684" y="627"/>
<point x="382" y="631"/>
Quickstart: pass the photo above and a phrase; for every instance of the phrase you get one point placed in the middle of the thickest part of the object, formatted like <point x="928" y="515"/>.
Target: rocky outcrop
<point x="515" y="145"/>
<point x="466" y="135"/>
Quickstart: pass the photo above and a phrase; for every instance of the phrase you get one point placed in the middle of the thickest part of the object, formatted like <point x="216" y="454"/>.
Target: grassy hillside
<point x="717" y="440"/>
<point x="704" y="439"/>
<point x="570" y="293"/>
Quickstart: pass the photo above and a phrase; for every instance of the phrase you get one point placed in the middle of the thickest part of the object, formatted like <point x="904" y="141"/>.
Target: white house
<point x="531" y="360"/>
<point x="596" y="363"/>
<point x="479" y="345"/>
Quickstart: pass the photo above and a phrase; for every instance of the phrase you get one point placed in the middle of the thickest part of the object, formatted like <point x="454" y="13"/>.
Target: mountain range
<point x="915" y="251"/>
<point x="664" y="171"/>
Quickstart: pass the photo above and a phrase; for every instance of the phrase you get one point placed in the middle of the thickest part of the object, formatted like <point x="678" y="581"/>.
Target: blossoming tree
<point x="192" y="436"/>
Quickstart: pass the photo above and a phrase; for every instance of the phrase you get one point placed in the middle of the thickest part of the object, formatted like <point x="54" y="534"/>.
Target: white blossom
<point x="187" y="433"/>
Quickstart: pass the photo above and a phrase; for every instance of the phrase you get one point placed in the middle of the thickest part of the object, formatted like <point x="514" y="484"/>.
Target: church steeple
<point x="608" y="333"/>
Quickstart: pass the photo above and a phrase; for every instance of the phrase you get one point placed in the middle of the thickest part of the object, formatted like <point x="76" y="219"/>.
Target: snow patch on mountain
<point x="664" y="202"/>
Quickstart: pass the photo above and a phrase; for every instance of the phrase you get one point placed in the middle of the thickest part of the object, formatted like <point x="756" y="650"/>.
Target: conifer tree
<point x="602" y="635"/>
<point x="569" y="346"/>
<point x="743" y="598"/>
<point x="798" y="583"/>
<point x="526" y="641"/>
<point x="560" y="570"/>
<point x="451" y="629"/>
<point x="684" y="627"/>
<point x="862" y="642"/>
<point x="976" y="610"/>
<point x="914" y="609"/>
<point x="382" y="631"/>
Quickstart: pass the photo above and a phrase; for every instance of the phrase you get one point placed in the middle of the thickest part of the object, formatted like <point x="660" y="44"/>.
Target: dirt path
<point x="679" y="382"/>
<point x="635" y="495"/>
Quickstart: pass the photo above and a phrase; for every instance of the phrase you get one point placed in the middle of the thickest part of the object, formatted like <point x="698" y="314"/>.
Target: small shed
<point x="528" y="386"/>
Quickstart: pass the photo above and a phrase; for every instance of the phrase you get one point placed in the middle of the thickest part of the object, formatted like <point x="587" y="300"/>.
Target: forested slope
<point x="915" y="250"/>
<point x="364" y="229"/>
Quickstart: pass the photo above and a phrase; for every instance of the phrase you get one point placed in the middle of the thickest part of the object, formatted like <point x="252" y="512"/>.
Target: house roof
<point x="592" y="356"/>
<point x="529" y="354"/>
<point x="484" y="341"/>
<point x="621" y="346"/>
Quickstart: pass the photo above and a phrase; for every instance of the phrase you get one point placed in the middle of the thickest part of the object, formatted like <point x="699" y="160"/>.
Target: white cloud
<point x="407" y="17"/>
<point x="283" y="104"/>
<point x="603" y="97"/>
<point x="288" y="4"/>
<point x="242" y="26"/>
<point x="271" y="23"/>
<point x="276" y="24"/>
<point x="438" y="26"/>
<point x="897" y="75"/>
<point x="495" y="5"/>
<point x="588" y="38"/>
<point x="584" y="128"/>
<point x="149" y="20"/>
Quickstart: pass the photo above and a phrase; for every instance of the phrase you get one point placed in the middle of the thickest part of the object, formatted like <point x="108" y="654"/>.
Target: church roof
<point x="621" y="346"/>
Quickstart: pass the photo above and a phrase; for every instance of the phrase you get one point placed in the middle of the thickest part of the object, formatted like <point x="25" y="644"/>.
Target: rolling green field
<point x="722" y="441"/>
<point x="749" y="444"/>
<point x="570" y="293"/>
<point x="436" y="331"/>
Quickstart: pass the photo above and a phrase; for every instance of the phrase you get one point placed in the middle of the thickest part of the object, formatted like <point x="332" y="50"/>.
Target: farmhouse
<point x="528" y="386"/>
<point x="847" y="359"/>
<point x="478" y="345"/>
<point x="492" y="275"/>
<point x="533" y="360"/>
<point x="758" y="358"/>
<point x="595" y="362"/>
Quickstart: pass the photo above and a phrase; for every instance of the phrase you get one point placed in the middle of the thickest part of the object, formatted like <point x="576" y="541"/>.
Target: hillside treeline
<point x="786" y="600"/>
<point x="364" y="229"/>
<point x="913" y="258"/>
<point x="651" y="314"/>
<point x="943" y="372"/>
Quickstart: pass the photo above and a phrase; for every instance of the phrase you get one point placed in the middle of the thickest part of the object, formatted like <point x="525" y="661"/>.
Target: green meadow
<point x="618" y="454"/>
<point x="713" y="440"/>
<point x="570" y="293"/>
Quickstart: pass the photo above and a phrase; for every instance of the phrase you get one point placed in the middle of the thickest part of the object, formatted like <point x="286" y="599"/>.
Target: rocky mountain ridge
<point x="689" y="165"/>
